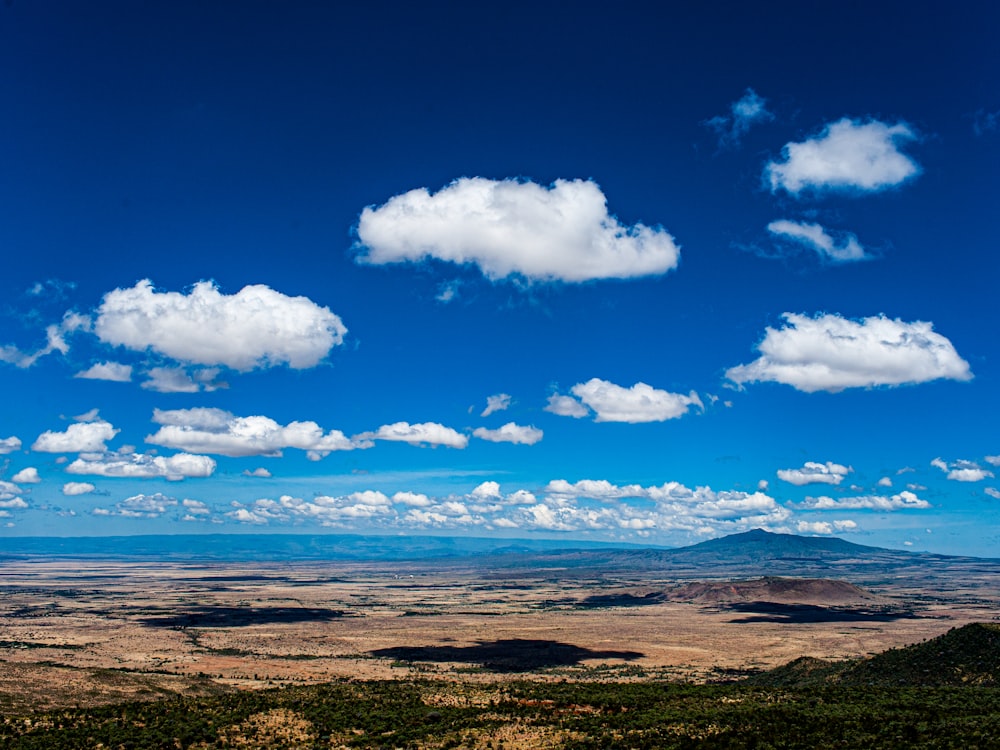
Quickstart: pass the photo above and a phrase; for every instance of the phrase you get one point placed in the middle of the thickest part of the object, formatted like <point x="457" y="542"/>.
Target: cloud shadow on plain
<point x="505" y="656"/>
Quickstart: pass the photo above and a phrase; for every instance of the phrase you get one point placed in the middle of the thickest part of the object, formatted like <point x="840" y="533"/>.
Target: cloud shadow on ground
<point x="806" y="613"/>
<point x="510" y="655"/>
<point x="235" y="617"/>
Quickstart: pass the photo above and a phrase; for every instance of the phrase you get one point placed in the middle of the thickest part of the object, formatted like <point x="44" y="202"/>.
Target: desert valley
<point x="84" y="631"/>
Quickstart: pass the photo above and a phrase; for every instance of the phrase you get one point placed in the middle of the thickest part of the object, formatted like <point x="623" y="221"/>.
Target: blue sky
<point x="645" y="274"/>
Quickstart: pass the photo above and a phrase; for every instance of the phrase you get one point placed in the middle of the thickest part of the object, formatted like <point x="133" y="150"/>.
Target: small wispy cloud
<point x="745" y="112"/>
<point x="842" y="249"/>
<point x="984" y="122"/>
<point x="499" y="402"/>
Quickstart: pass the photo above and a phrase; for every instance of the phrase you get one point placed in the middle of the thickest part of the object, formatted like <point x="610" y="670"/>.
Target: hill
<point x="819" y="591"/>
<point x="969" y="655"/>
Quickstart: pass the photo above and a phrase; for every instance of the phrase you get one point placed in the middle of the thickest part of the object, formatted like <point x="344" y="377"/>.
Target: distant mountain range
<point x="283" y="547"/>
<point x="752" y="553"/>
<point x="761" y="553"/>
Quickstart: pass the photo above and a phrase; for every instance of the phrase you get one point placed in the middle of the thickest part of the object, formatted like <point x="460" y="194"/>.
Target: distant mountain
<point x="969" y="655"/>
<point x="757" y="545"/>
<point x="753" y="554"/>
<point x="284" y="547"/>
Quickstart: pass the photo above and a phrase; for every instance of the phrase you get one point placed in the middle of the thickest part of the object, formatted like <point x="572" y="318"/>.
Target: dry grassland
<point x="94" y="632"/>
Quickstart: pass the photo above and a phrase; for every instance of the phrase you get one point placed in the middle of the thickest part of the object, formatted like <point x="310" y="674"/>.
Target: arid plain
<point x="91" y="631"/>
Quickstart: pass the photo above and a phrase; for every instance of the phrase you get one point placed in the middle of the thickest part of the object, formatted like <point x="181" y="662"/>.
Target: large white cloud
<point x="903" y="501"/>
<point x="81" y="437"/>
<point x="219" y="432"/>
<point x="639" y="403"/>
<point x="514" y="228"/>
<point x="256" y="327"/>
<point x="816" y="238"/>
<point x="815" y="473"/>
<point x="510" y="433"/>
<point x="426" y="433"/>
<point x="846" y="155"/>
<point x="831" y="353"/>
<point x="143" y="466"/>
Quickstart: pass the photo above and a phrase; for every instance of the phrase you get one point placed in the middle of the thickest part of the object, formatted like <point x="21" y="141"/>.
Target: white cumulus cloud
<point x="903" y="501"/>
<point x="202" y="430"/>
<point x="566" y="406"/>
<point x="427" y="433"/>
<point x="851" y="155"/>
<point x="256" y="327"/>
<point x="963" y="471"/>
<point x="195" y="507"/>
<point x="510" y="433"/>
<point x="639" y="403"/>
<point x="143" y="466"/>
<point x="816" y="238"/>
<point x="82" y="437"/>
<point x="825" y="527"/>
<point x="78" y="488"/>
<point x="28" y="475"/>
<point x="112" y="371"/>
<point x="815" y="473"/>
<point x="9" y="445"/>
<point x="831" y="353"/>
<point x="144" y="506"/>
<point x="514" y="228"/>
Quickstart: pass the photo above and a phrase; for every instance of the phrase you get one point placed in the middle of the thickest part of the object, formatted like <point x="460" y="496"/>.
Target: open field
<point x="92" y="632"/>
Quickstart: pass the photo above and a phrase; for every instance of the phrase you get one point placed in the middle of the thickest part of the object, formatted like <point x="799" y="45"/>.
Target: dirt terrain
<point x="89" y="632"/>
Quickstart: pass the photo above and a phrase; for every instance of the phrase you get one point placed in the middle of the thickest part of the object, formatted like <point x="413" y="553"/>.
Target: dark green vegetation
<point x="968" y="655"/>
<point x="937" y="694"/>
<point x="532" y="714"/>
